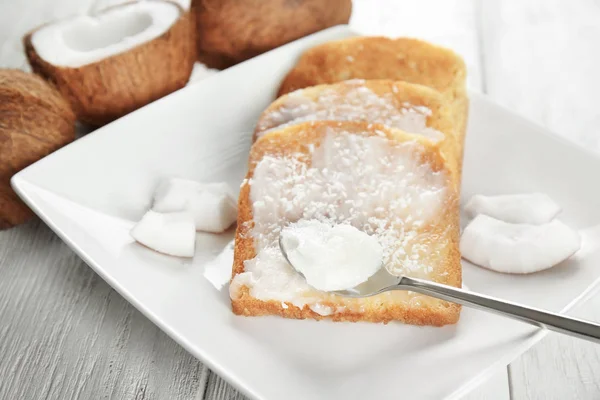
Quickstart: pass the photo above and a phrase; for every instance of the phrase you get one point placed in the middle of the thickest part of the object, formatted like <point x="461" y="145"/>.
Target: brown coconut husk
<point x="34" y="121"/>
<point x="231" y="31"/>
<point x="117" y="85"/>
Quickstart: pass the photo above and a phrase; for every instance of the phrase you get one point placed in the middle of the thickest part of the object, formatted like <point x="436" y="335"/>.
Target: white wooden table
<point x="65" y="334"/>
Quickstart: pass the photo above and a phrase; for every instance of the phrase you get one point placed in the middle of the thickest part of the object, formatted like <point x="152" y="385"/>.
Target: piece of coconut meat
<point x="168" y="233"/>
<point x="517" y="248"/>
<point x="83" y="40"/>
<point x="525" y="208"/>
<point x="212" y="205"/>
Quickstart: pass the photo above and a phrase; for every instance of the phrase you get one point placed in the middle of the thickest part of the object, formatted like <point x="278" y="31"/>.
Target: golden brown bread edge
<point x="297" y="138"/>
<point x="441" y="118"/>
<point x="402" y="59"/>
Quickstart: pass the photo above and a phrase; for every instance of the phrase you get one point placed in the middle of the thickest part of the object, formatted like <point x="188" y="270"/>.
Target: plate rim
<point x="19" y="183"/>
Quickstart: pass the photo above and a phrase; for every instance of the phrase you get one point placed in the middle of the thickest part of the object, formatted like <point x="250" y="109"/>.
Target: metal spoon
<point x="383" y="281"/>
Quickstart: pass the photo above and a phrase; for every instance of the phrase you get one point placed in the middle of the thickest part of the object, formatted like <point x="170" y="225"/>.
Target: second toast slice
<point x="401" y="105"/>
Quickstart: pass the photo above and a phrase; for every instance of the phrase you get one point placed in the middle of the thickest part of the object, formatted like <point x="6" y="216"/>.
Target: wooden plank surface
<point x="65" y="334"/>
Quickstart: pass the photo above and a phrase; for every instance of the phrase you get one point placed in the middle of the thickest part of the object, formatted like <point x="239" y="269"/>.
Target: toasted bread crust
<point x="248" y="306"/>
<point x="402" y="59"/>
<point x="441" y="118"/>
<point x="296" y="138"/>
<point x="405" y="59"/>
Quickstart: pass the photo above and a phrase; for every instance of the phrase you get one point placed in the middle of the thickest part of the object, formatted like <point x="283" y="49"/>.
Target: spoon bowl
<point x="379" y="282"/>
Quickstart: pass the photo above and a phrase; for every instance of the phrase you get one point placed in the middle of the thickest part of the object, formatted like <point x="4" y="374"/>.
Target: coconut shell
<point x="117" y="85"/>
<point x="34" y="121"/>
<point x="231" y="31"/>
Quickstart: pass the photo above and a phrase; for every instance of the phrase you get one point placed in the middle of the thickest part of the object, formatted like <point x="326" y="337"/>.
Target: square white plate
<point x="93" y="190"/>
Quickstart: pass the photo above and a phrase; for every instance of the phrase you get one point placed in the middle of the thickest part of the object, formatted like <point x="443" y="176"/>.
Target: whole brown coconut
<point x="105" y="90"/>
<point x="34" y="121"/>
<point x="231" y="31"/>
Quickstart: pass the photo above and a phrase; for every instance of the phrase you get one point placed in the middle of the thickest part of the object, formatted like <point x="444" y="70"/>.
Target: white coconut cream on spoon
<point x="331" y="257"/>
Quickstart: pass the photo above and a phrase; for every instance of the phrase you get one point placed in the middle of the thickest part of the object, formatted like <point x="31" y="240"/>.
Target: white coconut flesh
<point x="83" y="40"/>
<point x="168" y="233"/>
<point x="212" y="205"/>
<point x="525" y="208"/>
<point x="517" y="248"/>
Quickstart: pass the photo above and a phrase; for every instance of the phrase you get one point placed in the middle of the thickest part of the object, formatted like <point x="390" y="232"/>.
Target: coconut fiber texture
<point x="231" y="31"/>
<point x="35" y="120"/>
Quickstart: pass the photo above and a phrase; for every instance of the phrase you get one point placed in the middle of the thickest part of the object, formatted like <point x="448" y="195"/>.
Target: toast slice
<point x="386" y="182"/>
<point x="402" y="59"/>
<point x="410" y="107"/>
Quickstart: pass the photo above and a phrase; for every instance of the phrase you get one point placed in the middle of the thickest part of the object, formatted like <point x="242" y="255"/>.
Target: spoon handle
<point x="544" y="319"/>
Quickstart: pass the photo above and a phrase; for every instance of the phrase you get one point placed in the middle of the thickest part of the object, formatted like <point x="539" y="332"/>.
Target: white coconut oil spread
<point x="356" y="104"/>
<point x="379" y="186"/>
<point x="331" y="257"/>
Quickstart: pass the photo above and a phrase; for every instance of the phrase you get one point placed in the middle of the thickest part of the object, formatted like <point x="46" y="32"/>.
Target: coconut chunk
<point x="173" y="194"/>
<point x="168" y="233"/>
<point x="517" y="248"/>
<point x="524" y="208"/>
<point x="212" y="205"/>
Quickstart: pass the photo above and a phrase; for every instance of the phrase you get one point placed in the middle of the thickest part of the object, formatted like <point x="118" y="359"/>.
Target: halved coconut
<point x="34" y="121"/>
<point x="117" y="61"/>
<point x="231" y="31"/>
